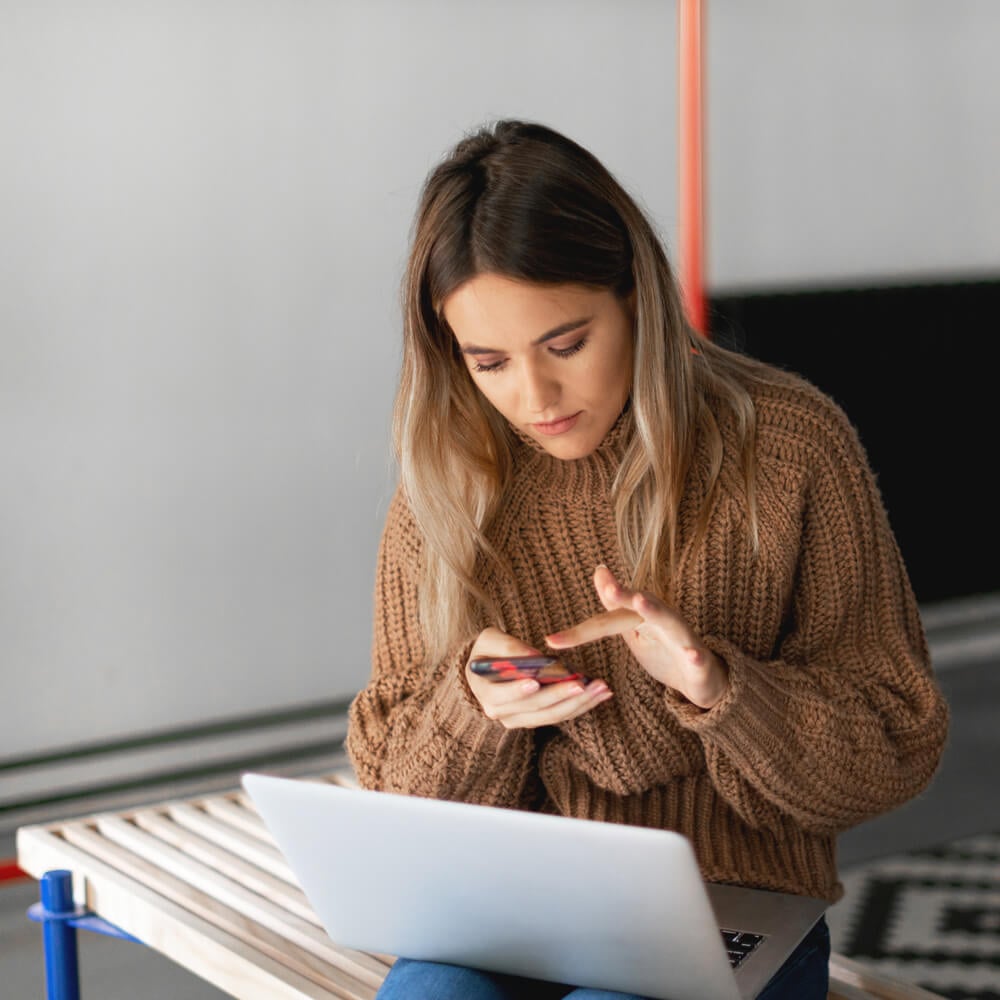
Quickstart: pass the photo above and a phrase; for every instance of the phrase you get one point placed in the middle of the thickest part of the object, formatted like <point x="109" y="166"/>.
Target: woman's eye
<point x="494" y="367"/>
<point x="559" y="352"/>
<point x="565" y="352"/>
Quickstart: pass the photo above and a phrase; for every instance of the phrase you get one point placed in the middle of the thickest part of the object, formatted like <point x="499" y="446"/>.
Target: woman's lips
<point x="558" y="426"/>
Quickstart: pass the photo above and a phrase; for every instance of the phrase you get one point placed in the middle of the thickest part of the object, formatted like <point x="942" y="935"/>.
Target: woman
<point x="580" y="470"/>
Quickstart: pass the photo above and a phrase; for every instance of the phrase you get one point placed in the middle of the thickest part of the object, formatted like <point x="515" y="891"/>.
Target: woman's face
<point x="555" y="360"/>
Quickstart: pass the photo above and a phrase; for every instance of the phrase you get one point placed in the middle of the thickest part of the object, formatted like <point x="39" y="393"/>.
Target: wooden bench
<point x="201" y="881"/>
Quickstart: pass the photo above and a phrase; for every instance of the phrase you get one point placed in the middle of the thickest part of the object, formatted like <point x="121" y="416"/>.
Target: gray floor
<point x="962" y="800"/>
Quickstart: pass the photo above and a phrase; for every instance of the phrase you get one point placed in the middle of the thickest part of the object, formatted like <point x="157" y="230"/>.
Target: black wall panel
<point x="915" y="368"/>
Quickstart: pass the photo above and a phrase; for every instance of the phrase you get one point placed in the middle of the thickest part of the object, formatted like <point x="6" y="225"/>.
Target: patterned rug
<point x="930" y="917"/>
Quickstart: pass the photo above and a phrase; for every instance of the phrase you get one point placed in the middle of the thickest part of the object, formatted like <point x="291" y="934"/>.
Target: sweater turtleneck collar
<point x="606" y="457"/>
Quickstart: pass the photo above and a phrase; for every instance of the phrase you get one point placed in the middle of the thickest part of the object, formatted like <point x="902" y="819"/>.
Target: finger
<point x="662" y="621"/>
<point x="570" y="707"/>
<point x="596" y="627"/>
<point x="697" y="657"/>
<point x="550" y="695"/>
<point x="497" y="699"/>
<point x="609" y="590"/>
<point x="505" y="693"/>
<point x="503" y="700"/>
<point x="649" y="606"/>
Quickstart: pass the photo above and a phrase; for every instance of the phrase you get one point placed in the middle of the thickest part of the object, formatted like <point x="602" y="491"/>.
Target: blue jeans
<point x="804" y="976"/>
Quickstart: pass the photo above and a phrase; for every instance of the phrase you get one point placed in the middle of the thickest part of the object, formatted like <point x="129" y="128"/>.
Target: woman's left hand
<point x="659" y="638"/>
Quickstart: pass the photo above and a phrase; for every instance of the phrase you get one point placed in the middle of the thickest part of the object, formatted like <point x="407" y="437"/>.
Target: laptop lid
<point x="570" y="900"/>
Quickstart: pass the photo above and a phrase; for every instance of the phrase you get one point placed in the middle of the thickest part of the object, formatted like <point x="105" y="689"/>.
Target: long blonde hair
<point x="521" y="200"/>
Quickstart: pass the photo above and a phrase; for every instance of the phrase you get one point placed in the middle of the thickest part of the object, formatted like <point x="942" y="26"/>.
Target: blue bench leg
<point x="62" y="965"/>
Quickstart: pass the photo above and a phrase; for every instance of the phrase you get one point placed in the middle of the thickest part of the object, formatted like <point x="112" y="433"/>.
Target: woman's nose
<point x="540" y="390"/>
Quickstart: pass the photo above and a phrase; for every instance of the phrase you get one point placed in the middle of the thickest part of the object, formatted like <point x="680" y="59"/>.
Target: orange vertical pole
<point x="690" y="44"/>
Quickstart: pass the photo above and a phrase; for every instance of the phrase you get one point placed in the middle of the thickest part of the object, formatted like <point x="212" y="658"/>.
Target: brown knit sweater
<point x="832" y="714"/>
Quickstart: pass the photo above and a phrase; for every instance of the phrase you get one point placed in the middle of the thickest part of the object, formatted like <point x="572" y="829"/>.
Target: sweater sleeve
<point x="848" y="721"/>
<point x="417" y="729"/>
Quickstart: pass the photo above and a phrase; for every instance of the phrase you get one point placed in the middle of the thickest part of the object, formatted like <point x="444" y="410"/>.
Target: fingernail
<point x="529" y="686"/>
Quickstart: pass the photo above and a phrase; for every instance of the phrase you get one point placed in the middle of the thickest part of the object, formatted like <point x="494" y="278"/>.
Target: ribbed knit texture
<point x="832" y="714"/>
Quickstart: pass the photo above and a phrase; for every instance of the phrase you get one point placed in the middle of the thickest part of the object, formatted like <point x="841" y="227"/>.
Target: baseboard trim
<point x="83" y="779"/>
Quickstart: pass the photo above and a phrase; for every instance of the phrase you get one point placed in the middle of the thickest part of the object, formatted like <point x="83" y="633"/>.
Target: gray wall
<point x="204" y="209"/>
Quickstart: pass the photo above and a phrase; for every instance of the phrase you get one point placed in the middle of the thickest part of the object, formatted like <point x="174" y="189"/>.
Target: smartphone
<point x="544" y="669"/>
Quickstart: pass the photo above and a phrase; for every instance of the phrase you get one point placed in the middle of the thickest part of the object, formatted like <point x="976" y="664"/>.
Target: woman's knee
<point x="412" y="980"/>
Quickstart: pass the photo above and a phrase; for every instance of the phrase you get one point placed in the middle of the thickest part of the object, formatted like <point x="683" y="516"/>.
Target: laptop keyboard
<point x="739" y="944"/>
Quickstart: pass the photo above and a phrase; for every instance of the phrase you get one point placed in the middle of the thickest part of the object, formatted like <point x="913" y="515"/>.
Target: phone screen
<point x="544" y="669"/>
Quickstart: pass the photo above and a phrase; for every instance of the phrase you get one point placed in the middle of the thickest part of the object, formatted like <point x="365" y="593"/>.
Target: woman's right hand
<point x="527" y="704"/>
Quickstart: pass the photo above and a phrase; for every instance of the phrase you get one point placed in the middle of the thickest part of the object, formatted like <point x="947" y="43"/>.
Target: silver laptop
<point x="570" y="900"/>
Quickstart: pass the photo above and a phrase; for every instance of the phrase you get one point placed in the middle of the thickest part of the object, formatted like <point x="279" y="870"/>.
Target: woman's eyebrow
<point x="556" y="331"/>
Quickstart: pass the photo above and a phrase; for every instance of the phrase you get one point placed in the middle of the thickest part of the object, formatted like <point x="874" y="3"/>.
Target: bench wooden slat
<point x="278" y="923"/>
<point x="210" y="910"/>
<point x="850" y="973"/>
<point x="230" y="962"/>
<point x="842" y="991"/>
<point x="290" y="897"/>
<point x="344" y="778"/>
<point x="230" y="839"/>
<point x="227" y="810"/>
